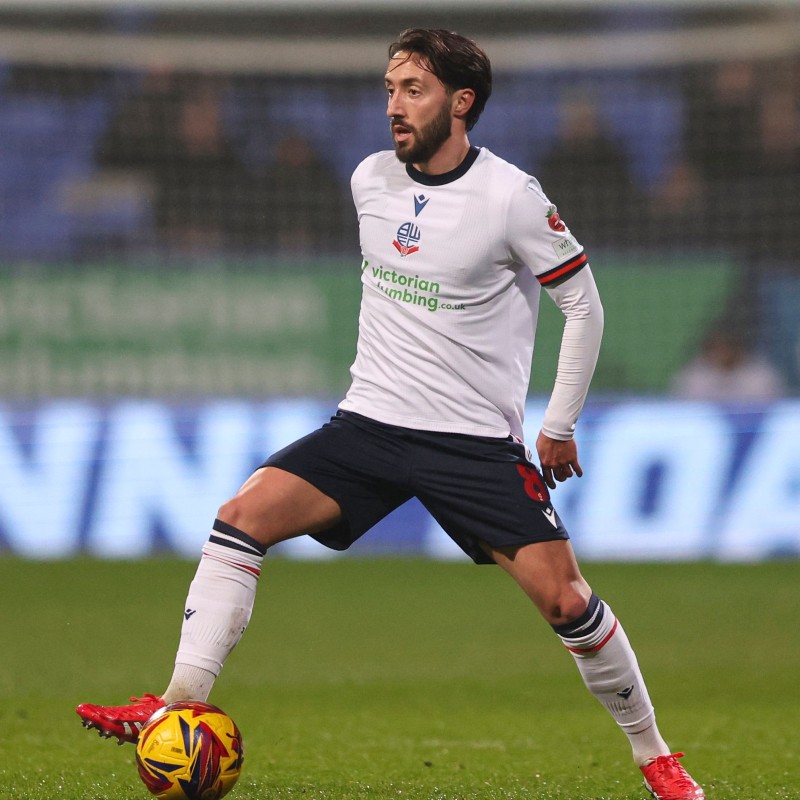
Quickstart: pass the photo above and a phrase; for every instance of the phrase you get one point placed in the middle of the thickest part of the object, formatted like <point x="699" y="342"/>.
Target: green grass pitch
<point x="406" y="679"/>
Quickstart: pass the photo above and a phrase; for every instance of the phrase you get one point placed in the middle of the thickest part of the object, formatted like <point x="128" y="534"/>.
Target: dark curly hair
<point x="455" y="60"/>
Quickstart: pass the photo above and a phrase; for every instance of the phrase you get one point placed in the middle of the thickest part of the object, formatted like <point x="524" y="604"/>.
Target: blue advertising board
<point x="663" y="480"/>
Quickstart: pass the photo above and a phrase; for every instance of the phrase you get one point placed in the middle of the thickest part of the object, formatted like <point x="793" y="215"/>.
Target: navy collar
<point x="445" y="177"/>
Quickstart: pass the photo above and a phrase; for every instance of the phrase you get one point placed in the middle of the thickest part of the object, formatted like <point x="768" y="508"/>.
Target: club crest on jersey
<point x="408" y="236"/>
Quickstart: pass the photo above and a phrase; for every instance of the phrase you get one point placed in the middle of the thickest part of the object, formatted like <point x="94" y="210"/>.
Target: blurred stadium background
<point x="179" y="261"/>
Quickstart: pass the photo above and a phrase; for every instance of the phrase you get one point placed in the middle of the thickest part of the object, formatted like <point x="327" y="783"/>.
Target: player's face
<point x="419" y="110"/>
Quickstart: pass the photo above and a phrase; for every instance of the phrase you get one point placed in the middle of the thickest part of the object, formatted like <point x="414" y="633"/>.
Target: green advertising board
<point x="267" y="330"/>
<point x="656" y="313"/>
<point x="231" y="331"/>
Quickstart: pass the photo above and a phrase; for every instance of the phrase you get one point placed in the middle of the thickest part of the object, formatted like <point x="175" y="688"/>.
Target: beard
<point x="426" y="141"/>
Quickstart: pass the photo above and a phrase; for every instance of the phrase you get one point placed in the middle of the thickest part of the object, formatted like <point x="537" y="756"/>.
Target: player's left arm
<point x="579" y="301"/>
<point x="538" y="237"/>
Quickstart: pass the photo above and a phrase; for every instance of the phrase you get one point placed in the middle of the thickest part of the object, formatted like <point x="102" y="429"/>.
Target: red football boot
<point x="124" y="722"/>
<point x="666" y="779"/>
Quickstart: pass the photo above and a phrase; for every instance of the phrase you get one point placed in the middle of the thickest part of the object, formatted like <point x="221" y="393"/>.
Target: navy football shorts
<point x="478" y="488"/>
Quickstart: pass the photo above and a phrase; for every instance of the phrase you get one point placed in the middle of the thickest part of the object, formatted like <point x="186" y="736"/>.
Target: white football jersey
<point x="451" y="275"/>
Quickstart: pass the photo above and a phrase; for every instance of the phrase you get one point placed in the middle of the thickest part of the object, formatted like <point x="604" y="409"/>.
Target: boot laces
<point x="669" y="765"/>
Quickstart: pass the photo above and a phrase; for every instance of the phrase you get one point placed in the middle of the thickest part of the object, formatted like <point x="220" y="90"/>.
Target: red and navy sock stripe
<point x="232" y="537"/>
<point x="580" y="630"/>
<point x="586" y="623"/>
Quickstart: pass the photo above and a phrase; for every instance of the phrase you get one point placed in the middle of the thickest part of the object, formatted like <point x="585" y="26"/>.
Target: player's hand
<point x="558" y="460"/>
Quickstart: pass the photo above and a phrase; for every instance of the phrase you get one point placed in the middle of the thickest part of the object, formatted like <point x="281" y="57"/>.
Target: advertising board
<point x="663" y="480"/>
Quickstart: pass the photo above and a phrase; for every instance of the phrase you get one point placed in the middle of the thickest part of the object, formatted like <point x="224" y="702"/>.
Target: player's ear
<point x="462" y="102"/>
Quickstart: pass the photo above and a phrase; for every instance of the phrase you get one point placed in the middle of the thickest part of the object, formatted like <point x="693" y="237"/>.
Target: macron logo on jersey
<point x="420" y="203"/>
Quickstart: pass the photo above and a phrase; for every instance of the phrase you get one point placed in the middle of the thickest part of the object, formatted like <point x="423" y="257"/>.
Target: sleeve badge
<point x="554" y="220"/>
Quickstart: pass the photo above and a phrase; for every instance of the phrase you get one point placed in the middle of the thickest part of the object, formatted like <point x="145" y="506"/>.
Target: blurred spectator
<point x="722" y="148"/>
<point x="721" y="129"/>
<point x="306" y="208"/>
<point x="727" y="368"/>
<point x="587" y="175"/>
<point x="775" y="181"/>
<point x="676" y="215"/>
<point x="743" y="141"/>
<point x="138" y="138"/>
<point x="174" y="135"/>
<point x="205" y="190"/>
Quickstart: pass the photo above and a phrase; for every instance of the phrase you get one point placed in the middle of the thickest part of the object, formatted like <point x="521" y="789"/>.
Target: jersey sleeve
<point x="580" y="303"/>
<point x="538" y="238"/>
<point x="358" y="180"/>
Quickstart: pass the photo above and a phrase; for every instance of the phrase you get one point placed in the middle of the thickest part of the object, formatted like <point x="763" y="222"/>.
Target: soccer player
<point x="456" y="246"/>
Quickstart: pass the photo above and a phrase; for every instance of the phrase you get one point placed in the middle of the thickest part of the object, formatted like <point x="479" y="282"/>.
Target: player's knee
<point x="237" y="513"/>
<point x="233" y="513"/>
<point x="567" y="604"/>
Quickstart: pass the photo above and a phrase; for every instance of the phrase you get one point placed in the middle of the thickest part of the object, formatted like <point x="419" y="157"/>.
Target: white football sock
<point x="610" y="671"/>
<point x="189" y="683"/>
<point x="218" y="609"/>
